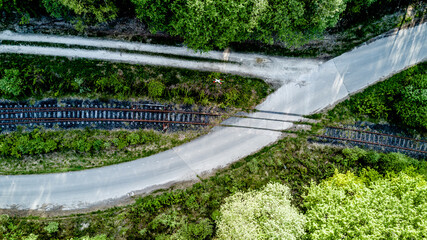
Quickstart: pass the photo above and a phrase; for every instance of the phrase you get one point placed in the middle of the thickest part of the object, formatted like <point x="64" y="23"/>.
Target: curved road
<point x="301" y="94"/>
<point x="273" y="69"/>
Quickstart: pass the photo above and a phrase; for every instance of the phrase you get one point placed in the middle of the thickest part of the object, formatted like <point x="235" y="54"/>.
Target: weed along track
<point x="101" y="115"/>
<point x="383" y="141"/>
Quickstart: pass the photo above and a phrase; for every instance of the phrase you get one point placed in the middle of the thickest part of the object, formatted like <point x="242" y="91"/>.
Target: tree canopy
<point x="208" y="24"/>
<point x="371" y="206"/>
<point x="205" y="24"/>
<point x="264" y="214"/>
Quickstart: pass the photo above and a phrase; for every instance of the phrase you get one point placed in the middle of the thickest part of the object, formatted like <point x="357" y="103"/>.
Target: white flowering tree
<point x="264" y="214"/>
<point x="368" y="207"/>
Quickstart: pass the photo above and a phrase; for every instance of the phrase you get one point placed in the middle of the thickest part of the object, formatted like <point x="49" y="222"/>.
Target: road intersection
<point x="311" y="88"/>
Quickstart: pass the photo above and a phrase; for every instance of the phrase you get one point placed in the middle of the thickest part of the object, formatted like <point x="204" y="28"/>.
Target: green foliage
<point x="22" y="7"/>
<point x="390" y="162"/>
<point x="79" y="25"/>
<point x="401" y="99"/>
<point x="157" y="13"/>
<point x="10" y="229"/>
<point x="197" y="231"/>
<point x="324" y="13"/>
<point x="264" y="214"/>
<point x="25" y="19"/>
<point x="55" y="8"/>
<point x="205" y="24"/>
<point x="352" y="155"/>
<point x="52" y="227"/>
<point x="97" y="237"/>
<point x="44" y="77"/>
<point x="397" y="162"/>
<point x="93" y="11"/>
<point x="412" y="109"/>
<point x="19" y="144"/>
<point x="356" y="6"/>
<point x="114" y="84"/>
<point x="155" y="89"/>
<point x="32" y="236"/>
<point x="11" y="84"/>
<point x="350" y="207"/>
<point x="191" y="213"/>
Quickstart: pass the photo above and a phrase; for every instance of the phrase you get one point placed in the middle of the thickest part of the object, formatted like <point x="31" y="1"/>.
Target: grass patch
<point x="38" y="77"/>
<point x="49" y="151"/>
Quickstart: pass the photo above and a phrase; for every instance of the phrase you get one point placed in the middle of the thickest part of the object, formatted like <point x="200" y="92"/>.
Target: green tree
<point x="367" y="207"/>
<point x="91" y="11"/>
<point x="355" y="6"/>
<point x="55" y="8"/>
<point x="264" y="214"/>
<point x="282" y="21"/>
<point x="205" y="24"/>
<point x="156" y="13"/>
<point x="11" y="84"/>
<point x="323" y="14"/>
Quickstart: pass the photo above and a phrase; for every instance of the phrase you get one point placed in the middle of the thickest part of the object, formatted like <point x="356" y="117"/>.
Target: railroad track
<point x="131" y="115"/>
<point x="381" y="141"/>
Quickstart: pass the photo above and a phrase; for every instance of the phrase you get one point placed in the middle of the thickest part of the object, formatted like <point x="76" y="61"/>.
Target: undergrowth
<point x="38" y="77"/>
<point x="48" y="151"/>
<point x="400" y="100"/>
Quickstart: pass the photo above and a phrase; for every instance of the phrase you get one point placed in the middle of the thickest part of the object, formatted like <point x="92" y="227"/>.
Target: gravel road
<point x="311" y="88"/>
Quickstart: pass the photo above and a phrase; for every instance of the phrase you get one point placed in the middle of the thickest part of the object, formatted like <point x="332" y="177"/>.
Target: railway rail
<point x="131" y="115"/>
<point x="381" y="141"/>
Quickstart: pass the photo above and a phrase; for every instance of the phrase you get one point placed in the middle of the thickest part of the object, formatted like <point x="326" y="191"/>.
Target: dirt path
<point x="276" y="70"/>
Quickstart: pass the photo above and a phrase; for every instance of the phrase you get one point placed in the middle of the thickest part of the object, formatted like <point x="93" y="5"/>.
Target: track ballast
<point x="100" y="115"/>
<point x="375" y="140"/>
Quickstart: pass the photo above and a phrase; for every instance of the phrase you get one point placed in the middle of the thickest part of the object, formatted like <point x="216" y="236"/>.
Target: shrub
<point x="352" y="155"/>
<point x="350" y="207"/>
<point x="11" y="84"/>
<point x="413" y="107"/>
<point x="155" y="89"/>
<point x="264" y="214"/>
<point x="401" y="100"/>
<point x="196" y="231"/>
<point x="97" y="237"/>
<point x="397" y="162"/>
<point x="52" y="227"/>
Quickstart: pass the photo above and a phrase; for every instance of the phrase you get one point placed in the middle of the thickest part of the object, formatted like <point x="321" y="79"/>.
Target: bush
<point x="350" y="207"/>
<point x="412" y="109"/>
<point x="264" y="214"/>
<point x="155" y="89"/>
<point x="40" y="141"/>
<point x="389" y="162"/>
<point x="401" y="100"/>
<point x="197" y="231"/>
<point x="11" y="84"/>
<point x="352" y="155"/>
<point x="52" y="227"/>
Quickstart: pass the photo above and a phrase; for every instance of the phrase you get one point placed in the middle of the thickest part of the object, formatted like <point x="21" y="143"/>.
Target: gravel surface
<point x="276" y="70"/>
